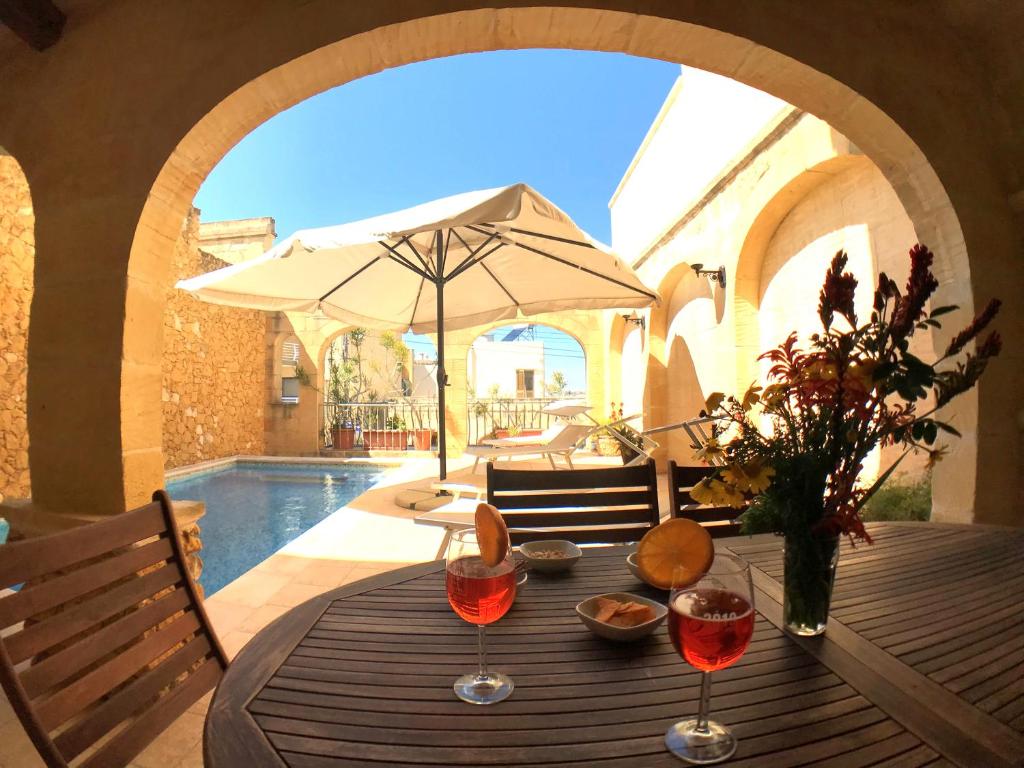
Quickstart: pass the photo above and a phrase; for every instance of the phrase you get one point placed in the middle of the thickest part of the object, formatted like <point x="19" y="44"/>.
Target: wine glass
<point x="710" y="621"/>
<point x="481" y="595"/>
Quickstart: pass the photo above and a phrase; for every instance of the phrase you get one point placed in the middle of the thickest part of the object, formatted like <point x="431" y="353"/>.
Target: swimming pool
<point x="255" y="508"/>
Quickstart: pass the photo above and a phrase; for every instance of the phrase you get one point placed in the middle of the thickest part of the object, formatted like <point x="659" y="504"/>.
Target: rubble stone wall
<point x="17" y="259"/>
<point x="213" y="368"/>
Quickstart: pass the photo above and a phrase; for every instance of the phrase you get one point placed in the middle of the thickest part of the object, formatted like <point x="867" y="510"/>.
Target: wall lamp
<point x="716" y="275"/>
<point x="635" y="319"/>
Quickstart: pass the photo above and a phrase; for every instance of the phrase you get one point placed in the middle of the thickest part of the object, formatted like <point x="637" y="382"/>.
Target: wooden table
<point x="922" y="665"/>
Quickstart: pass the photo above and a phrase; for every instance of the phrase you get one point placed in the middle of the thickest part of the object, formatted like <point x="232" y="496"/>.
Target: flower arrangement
<point x="798" y="445"/>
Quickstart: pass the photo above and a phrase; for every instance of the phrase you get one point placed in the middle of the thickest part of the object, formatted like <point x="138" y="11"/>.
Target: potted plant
<point x="798" y="445"/>
<point x="609" y="445"/>
<point x="396" y="433"/>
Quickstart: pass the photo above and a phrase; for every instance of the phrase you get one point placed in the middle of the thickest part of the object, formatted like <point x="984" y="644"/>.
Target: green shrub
<point x="900" y="501"/>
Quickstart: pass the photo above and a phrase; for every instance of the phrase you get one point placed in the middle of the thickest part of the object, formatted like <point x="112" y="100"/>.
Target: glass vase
<point x="810" y="572"/>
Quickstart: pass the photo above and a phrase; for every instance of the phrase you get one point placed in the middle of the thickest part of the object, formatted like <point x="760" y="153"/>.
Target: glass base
<point x="484" y="689"/>
<point x="700" y="747"/>
<point x="805" y="630"/>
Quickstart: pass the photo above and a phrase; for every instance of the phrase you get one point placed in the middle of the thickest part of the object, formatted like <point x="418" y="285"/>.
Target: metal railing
<point x="488" y="415"/>
<point x="391" y="426"/>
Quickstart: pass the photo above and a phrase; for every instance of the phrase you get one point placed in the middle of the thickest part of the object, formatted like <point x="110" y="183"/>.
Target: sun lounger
<point x="562" y="444"/>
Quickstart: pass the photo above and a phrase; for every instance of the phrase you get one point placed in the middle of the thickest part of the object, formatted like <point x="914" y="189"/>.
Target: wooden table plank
<point x="363" y="675"/>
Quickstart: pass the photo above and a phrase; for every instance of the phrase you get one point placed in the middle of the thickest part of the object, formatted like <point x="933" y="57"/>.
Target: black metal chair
<point x="719" y="521"/>
<point x="615" y="504"/>
<point x="107" y="643"/>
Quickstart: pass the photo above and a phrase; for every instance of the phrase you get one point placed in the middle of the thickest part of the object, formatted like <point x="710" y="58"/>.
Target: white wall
<point x="706" y="121"/>
<point x="496" y="362"/>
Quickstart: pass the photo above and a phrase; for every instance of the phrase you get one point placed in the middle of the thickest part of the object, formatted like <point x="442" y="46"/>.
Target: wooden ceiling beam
<point x="38" y="22"/>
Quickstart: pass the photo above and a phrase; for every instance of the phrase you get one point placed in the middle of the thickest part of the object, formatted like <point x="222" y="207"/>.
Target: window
<point x="289" y="390"/>
<point x="290" y="352"/>
<point x="524" y="383"/>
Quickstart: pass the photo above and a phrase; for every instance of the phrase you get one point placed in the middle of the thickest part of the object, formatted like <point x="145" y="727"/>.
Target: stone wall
<point x="213" y="368"/>
<point x="17" y="257"/>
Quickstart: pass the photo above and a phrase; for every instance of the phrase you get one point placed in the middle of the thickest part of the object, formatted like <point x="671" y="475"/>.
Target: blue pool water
<point x="254" y="509"/>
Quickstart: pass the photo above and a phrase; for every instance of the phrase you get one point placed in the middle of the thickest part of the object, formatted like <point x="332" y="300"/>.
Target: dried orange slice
<point x="675" y="543"/>
<point x="491" y="534"/>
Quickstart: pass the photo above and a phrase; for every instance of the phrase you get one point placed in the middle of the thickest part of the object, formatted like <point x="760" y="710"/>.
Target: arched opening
<point x="383" y="37"/>
<point x="513" y="371"/>
<point x="17" y="263"/>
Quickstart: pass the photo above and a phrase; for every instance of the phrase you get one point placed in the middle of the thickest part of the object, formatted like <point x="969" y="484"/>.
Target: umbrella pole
<point x="442" y="377"/>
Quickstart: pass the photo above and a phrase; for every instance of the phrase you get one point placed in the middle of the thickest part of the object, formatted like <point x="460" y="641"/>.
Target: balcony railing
<point x="395" y="426"/>
<point x="488" y="415"/>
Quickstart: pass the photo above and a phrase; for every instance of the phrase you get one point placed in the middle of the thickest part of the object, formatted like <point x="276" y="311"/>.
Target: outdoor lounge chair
<point x="562" y="444"/>
<point x="107" y="643"/>
<point x="719" y="521"/>
<point x="613" y="504"/>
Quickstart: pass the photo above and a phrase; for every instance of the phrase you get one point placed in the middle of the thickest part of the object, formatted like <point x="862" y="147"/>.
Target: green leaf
<point x="943" y="310"/>
<point x="947" y="428"/>
<point x="880" y="481"/>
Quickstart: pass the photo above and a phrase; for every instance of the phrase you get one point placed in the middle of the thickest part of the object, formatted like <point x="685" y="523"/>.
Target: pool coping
<point x="214" y="465"/>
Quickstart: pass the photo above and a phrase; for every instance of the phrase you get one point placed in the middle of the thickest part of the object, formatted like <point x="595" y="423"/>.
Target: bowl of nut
<point x="551" y="556"/>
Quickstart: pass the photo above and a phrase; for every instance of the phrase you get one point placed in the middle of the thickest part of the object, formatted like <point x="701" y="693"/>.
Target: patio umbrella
<point x="456" y="262"/>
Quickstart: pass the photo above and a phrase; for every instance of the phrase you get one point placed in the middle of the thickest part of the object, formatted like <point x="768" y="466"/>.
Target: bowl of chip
<point x="550" y="556"/>
<point x="620" y="616"/>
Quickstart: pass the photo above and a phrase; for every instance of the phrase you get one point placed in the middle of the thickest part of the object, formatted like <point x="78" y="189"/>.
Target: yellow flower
<point x="735" y="475"/>
<point x="936" y="455"/>
<point x="711" y="450"/>
<point x="773" y="395"/>
<point x="751" y="397"/>
<point x="822" y="371"/>
<point x="716" y="493"/>
<point x="759" y="476"/>
<point x="713" y="402"/>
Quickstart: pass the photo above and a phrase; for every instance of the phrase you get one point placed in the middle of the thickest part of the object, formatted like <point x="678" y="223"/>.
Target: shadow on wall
<point x="685" y="399"/>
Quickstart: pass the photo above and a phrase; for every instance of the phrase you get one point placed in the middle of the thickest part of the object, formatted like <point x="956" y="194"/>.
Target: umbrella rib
<point x="459" y="269"/>
<point x="396" y="256"/>
<point x="415" y="250"/>
<point x="500" y="285"/>
<point x="546" y="237"/>
<point x="582" y="268"/>
<point x="464" y="266"/>
<point x="416" y="304"/>
<point x="351" y="277"/>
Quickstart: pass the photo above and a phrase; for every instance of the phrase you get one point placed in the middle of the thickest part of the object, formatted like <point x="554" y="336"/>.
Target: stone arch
<point x="143" y="197"/>
<point x="746" y="282"/>
<point x="17" y="262"/>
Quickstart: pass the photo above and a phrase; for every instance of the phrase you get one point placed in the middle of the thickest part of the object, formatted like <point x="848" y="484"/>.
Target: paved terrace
<point x="368" y="536"/>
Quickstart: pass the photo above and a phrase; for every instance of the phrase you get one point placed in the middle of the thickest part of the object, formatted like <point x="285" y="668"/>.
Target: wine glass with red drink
<point x="480" y="594"/>
<point x="710" y="621"/>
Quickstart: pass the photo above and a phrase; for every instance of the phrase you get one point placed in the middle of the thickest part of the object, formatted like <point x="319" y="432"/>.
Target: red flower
<point x="920" y="286"/>
<point x="977" y="326"/>
<point x="837" y="293"/>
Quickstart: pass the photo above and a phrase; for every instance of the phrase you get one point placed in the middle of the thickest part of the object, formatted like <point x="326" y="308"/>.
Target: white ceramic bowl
<point x="571" y="553"/>
<point x="587" y="610"/>
<point x="633" y="567"/>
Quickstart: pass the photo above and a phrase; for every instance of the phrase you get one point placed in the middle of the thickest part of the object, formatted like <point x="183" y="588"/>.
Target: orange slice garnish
<point x="676" y="543"/>
<point x="491" y="534"/>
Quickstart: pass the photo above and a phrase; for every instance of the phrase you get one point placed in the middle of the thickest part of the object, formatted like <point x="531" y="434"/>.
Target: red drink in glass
<point x="479" y="594"/>
<point x="710" y="628"/>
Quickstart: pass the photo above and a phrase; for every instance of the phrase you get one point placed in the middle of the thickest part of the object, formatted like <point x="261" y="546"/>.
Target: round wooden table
<point x="922" y="665"/>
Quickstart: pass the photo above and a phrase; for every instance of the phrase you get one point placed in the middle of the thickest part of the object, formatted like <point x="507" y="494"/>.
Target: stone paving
<point x="368" y="536"/>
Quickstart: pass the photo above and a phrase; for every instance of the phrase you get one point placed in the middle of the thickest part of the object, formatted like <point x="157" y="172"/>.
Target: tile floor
<point x="367" y="537"/>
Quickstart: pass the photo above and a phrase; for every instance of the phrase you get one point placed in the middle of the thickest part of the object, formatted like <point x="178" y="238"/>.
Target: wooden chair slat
<point x="43" y="675"/>
<point x="59" y="627"/>
<point x="74" y="698"/>
<point x="122" y="705"/>
<point x="545" y="479"/>
<point x="130" y="645"/>
<point x="133" y="739"/>
<point x="582" y="535"/>
<point x="36" y="599"/>
<point x="552" y="500"/>
<point x="561" y="519"/>
<point x="710" y="514"/>
<point x="600" y="497"/>
<point x="27" y="560"/>
<point x="680" y="481"/>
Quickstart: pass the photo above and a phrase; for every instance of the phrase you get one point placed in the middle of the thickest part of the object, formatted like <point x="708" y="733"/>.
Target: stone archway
<point x="141" y="182"/>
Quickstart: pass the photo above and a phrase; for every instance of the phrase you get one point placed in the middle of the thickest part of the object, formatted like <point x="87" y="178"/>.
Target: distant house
<point x="506" y="362"/>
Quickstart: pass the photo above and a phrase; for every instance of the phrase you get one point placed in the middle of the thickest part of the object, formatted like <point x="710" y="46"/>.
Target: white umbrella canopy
<point x="456" y="262"/>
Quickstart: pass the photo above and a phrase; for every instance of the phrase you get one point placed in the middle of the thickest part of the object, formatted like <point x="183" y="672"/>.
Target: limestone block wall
<point x="17" y="257"/>
<point x="214" y="369"/>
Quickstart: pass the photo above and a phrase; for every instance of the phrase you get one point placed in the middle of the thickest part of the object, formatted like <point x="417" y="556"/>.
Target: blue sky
<point x="565" y="122"/>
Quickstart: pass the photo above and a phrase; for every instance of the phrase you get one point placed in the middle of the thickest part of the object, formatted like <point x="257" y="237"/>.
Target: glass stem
<point x="705" y="702"/>
<point x="482" y="645"/>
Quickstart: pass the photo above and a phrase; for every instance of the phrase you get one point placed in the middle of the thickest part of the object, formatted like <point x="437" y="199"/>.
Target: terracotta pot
<point x="531" y="432"/>
<point x="500" y="434"/>
<point x="421" y="439"/>
<point x="343" y="438"/>
<point x="386" y="439"/>
<point x="374" y="439"/>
